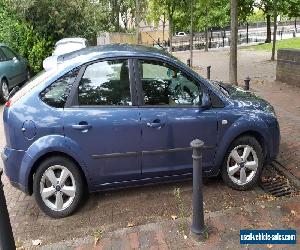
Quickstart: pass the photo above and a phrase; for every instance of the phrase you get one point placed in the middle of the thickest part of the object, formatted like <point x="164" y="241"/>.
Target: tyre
<point x="4" y="91"/>
<point x="28" y="75"/>
<point x="243" y="163"/>
<point x="58" y="187"/>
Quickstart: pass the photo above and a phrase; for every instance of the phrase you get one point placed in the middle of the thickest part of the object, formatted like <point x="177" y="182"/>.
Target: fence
<point x="148" y="37"/>
<point x="216" y="38"/>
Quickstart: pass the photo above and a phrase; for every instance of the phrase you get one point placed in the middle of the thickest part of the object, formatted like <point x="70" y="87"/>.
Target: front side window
<point x="166" y="85"/>
<point x="57" y="93"/>
<point x="105" y="83"/>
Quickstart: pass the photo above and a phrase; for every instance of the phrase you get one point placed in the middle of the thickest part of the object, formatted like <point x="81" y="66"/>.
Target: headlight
<point x="270" y="109"/>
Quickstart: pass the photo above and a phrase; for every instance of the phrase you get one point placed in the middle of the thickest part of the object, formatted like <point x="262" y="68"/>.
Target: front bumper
<point x="274" y="142"/>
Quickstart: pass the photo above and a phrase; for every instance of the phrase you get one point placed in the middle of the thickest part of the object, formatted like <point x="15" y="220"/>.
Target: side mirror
<point x="15" y="59"/>
<point x="13" y="91"/>
<point x="205" y="101"/>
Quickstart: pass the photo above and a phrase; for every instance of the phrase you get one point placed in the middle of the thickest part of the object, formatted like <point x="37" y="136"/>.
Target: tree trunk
<point x="164" y="26"/>
<point x="117" y="17"/>
<point x="275" y="31"/>
<point x="296" y="24"/>
<point x="233" y="43"/>
<point x="137" y="22"/>
<point x="247" y="36"/>
<point x="269" y="33"/>
<point x="171" y="32"/>
<point x="191" y="35"/>
<point x="206" y="39"/>
<point x="206" y="30"/>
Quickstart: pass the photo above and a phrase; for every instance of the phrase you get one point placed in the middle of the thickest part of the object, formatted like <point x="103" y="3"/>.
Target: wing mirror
<point x="15" y="59"/>
<point x="205" y="101"/>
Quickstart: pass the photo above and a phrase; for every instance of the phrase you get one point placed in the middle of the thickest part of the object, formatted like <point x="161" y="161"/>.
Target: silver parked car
<point x="14" y="70"/>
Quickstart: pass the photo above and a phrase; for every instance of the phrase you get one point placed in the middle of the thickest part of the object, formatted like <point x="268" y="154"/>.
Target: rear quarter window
<point x="57" y="93"/>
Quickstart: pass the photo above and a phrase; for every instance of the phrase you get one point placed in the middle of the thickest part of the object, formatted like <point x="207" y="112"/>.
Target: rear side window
<point x="8" y="53"/>
<point x="57" y="93"/>
<point x="2" y="56"/>
<point x="105" y="83"/>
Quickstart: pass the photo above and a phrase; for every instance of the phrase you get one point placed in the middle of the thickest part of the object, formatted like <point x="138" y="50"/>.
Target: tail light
<point x="7" y="104"/>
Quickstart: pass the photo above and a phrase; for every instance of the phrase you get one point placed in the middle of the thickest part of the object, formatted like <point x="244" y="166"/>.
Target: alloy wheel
<point x="5" y="90"/>
<point x="57" y="188"/>
<point x="242" y="164"/>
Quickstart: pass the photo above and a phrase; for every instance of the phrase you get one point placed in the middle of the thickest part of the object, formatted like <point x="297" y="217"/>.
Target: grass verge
<point x="292" y="43"/>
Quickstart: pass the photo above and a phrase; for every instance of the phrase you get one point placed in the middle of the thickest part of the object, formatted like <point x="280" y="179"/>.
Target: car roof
<point x="113" y="50"/>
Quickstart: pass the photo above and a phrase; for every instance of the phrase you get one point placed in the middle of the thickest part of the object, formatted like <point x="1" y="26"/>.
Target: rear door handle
<point x="81" y="126"/>
<point x="153" y="125"/>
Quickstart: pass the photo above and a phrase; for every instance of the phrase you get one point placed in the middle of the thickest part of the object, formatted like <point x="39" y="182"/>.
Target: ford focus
<point x="119" y="115"/>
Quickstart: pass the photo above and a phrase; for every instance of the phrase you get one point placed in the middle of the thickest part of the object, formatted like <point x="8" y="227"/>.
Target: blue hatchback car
<point x="120" y="115"/>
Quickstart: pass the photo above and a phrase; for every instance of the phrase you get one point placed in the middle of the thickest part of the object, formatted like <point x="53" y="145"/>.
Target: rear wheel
<point x="58" y="187"/>
<point x="4" y="91"/>
<point x="243" y="163"/>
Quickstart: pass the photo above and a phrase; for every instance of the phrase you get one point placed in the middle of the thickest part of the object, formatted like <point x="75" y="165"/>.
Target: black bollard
<point x="247" y="83"/>
<point x="7" y="241"/>
<point x="208" y="72"/>
<point x="188" y="62"/>
<point x="198" y="229"/>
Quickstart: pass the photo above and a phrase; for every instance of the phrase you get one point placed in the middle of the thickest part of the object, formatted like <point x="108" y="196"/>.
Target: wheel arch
<point x="46" y="156"/>
<point x="230" y="138"/>
<point x="258" y="136"/>
<point x="4" y="78"/>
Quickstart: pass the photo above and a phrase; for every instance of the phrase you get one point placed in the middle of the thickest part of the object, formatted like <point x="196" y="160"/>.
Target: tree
<point x="137" y="21"/>
<point x="169" y="7"/>
<point x="157" y="13"/>
<point x="32" y="27"/>
<point x="191" y="32"/>
<point x="233" y="42"/>
<point x="211" y="14"/>
<point x="266" y="7"/>
<point x="292" y="10"/>
<point x="275" y="7"/>
<point x="127" y="12"/>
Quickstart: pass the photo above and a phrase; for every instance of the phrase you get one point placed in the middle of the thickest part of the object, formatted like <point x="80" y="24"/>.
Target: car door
<point x="16" y="68"/>
<point x="102" y="119"/>
<point x="171" y="117"/>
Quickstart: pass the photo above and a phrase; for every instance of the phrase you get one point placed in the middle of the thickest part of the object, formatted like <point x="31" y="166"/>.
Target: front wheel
<point x="4" y="91"/>
<point x="58" y="187"/>
<point x="243" y="163"/>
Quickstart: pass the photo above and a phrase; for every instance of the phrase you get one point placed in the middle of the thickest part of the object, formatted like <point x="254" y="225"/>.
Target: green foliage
<point x="39" y="51"/>
<point x="211" y="14"/>
<point x="31" y="27"/>
<point x="257" y="16"/>
<point x="292" y="9"/>
<point x="23" y="39"/>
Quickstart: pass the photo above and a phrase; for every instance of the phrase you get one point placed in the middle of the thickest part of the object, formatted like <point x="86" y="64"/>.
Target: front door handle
<point x="155" y="124"/>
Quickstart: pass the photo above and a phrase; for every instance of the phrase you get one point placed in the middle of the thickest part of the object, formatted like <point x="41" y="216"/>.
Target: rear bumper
<point x="12" y="161"/>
